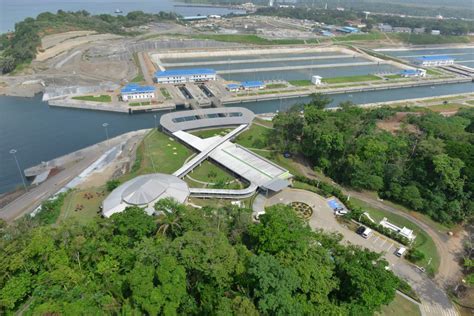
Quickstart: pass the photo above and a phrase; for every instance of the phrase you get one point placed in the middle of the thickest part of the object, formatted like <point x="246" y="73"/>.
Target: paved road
<point x="434" y="300"/>
<point x="449" y="269"/>
<point x="32" y="199"/>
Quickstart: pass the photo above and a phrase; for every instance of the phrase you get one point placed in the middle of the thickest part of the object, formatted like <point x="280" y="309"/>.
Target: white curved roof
<point x="144" y="191"/>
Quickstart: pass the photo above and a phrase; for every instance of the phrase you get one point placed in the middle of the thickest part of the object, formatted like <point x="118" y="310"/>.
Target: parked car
<point x="360" y="230"/>
<point x="340" y="211"/>
<point x="366" y="233"/>
<point x="400" y="251"/>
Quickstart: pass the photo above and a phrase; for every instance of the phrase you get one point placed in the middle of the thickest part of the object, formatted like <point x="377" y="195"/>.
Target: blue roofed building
<point x="133" y="91"/>
<point x="252" y="85"/>
<point x="185" y="75"/>
<point x="348" y="29"/>
<point x="435" y="60"/>
<point x="408" y="73"/>
<point x="233" y="87"/>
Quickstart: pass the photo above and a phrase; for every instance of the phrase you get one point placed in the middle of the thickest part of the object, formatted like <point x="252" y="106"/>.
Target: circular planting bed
<point x="302" y="209"/>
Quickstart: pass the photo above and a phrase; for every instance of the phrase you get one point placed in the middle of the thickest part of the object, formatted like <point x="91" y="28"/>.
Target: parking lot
<point x="433" y="300"/>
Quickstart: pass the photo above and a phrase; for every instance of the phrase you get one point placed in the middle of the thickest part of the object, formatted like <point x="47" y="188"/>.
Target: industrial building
<point x="409" y="73"/>
<point x="430" y="61"/>
<point x="134" y="91"/>
<point x="144" y="191"/>
<point x="246" y="85"/>
<point x="185" y="75"/>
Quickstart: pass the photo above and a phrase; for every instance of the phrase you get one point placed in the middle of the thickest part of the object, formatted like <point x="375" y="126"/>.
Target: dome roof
<point x="145" y="190"/>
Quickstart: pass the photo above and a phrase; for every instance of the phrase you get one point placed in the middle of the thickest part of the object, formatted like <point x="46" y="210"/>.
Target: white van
<point x="366" y="233"/>
<point x="400" y="251"/>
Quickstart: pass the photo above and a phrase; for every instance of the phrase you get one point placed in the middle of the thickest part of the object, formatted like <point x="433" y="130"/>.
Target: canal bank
<point x="41" y="133"/>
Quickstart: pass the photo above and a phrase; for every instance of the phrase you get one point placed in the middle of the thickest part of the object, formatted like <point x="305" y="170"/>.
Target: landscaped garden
<point x="303" y="210"/>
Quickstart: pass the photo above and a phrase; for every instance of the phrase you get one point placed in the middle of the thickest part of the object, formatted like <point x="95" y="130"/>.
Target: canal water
<point x="41" y="133"/>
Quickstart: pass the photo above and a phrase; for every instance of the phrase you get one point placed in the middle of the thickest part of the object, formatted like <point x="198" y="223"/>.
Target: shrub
<point x="414" y="255"/>
<point x="112" y="184"/>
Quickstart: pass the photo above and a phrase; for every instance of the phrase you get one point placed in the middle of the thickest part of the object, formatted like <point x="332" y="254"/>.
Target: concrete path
<point x="434" y="300"/>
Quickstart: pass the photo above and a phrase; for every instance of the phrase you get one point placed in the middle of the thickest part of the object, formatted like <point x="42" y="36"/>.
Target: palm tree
<point x="171" y="214"/>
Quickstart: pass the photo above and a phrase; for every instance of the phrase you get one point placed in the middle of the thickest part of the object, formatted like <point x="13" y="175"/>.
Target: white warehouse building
<point x="134" y="91"/>
<point x="429" y="61"/>
<point x="185" y="75"/>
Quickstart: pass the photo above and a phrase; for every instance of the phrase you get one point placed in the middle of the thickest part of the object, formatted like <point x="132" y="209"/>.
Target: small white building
<point x="316" y="80"/>
<point x="435" y="60"/>
<point x="409" y="73"/>
<point x="185" y="75"/>
<point x="435" y="32"/>
<point x="405" y="232"/>
<point x="134" y="91"/>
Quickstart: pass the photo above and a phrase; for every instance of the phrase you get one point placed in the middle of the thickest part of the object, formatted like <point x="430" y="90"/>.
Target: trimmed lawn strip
<point x="275" y="86"/>
<point x="100" y="98"/>
<point x="165" y="93"/>
<point x="252" y="39"/>
<point x="351" y="79"/>
<point x="300" y="83"/>
<point x="423" y="241"/>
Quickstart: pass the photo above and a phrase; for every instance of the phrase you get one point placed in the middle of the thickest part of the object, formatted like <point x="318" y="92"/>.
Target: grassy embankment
<point x="206" y="133"/>
<point x="400" y="306"/>
<point x="139" y="103"/>
<point x="428" y="39"/>
<point x="139" y="78"/>
<point x="252" y="39"/>
<point x="100" y="98"/>
<point x="82" y="205"/>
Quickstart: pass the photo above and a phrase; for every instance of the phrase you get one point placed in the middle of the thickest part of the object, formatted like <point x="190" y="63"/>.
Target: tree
<point x="415" y="255"/>
<point x="112" y="185"/>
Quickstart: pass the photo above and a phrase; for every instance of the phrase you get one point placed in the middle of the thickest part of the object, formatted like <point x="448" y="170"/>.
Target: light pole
<point x="13" y="152"/>
<point x="106" y="131"/>
<point x="154" y="116"/>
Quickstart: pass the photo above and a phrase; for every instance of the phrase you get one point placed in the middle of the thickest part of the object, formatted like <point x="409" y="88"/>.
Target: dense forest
<point x="425" y="163"/>
<point x="22" y="45"/>
<point x="190" y="261"/>
<point x="447" y="27"/>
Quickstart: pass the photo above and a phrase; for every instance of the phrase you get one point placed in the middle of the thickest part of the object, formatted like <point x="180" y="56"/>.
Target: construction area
<point x="87" y="70"/>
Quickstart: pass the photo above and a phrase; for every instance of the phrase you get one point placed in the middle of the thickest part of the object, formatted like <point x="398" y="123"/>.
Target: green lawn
<point x="210" y="172"/>
<point x="158" y="153"/>
<point x="82" y="205"/>
<point x="254" y="137"/>
<point x="393" y="76"/>
<point x="346" y="79"/>
<point x="432" y="72"/>
<point x="206" y="133"/>
<point x="165" y="93"/>
<point x="275" y="86"/>
<point x="94" y="98"/>
<point x="470" y="102"/>
<point x="400" y="306"/>
<point x="300" y="83"/>
<point x="428" y="39"/>
<point x="423" y="241"/>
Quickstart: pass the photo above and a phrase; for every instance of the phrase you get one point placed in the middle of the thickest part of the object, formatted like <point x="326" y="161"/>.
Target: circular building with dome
<point x="144" y="191"/>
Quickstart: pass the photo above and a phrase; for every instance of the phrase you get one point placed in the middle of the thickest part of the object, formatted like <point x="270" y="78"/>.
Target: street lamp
<point x="154" y="116"/>
<point x="106" y="131"/>
<point x="13" y="152"/>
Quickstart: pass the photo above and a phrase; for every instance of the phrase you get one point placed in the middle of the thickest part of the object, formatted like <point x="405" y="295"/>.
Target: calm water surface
<point x="41" y="133"/>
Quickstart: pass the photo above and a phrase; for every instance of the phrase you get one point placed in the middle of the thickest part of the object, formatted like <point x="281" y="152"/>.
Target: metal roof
<point x="233" y="86"/>
<point x="185" y="72"/>
<point x="213" y="117"/>
<point x="276" y="185"/>
<point x="136" y="88"/>
<point x="143" y="191"/>
<point x="435" y="57"/>
<point x="252" y="84"/>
